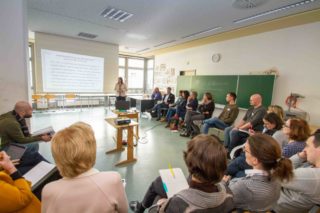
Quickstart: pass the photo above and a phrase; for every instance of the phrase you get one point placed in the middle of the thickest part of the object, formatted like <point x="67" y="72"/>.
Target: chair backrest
<point x="36" y="97"/>
<point x="49" y="96"/>
<point x="70" y="96"/>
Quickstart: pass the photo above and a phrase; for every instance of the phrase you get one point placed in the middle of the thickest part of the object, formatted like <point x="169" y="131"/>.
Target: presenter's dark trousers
<point x="121" y="98"/>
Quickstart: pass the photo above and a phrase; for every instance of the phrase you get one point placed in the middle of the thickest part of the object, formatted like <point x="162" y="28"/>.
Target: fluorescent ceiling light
<point x="116" y="14"/>
<point x="201" y="32"/>
<point x="161" y="44"/>
<point x="280" y="9"/>
<point x="136" y="36"/>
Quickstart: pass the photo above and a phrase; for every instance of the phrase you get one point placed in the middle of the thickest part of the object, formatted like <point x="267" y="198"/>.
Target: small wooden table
<point x="119" y="147"/>
<point x="132" y="115"/>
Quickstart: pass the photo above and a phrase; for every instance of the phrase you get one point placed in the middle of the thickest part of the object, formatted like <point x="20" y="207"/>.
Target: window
<point x="31" y="65"/>
<point x="137" y="73"/>
<point x="135" y="79"/>
<point x="150" y="65"/>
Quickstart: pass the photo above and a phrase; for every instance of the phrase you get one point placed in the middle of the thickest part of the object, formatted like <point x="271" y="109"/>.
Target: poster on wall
<point x="165" y="77"/>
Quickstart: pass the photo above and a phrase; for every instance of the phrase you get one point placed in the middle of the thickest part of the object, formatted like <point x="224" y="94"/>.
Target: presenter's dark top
<point x="11" y="130"/>
<point x="255" y="117"/>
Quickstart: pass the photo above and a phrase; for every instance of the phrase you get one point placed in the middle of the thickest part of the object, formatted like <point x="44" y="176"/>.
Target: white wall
<point x="13" y="54"/>
<point x="294" y="51"/>
<point x="78" y="46"/>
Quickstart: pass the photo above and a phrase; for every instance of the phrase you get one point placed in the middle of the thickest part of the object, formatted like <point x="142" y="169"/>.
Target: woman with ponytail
<point x="260" y="189"/>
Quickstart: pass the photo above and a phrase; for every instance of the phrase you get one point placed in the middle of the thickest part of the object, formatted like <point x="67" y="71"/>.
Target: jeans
<point x="159" y="107"/>
<point x="170" y="113"/>
<point x="238" y="166"/>
<point x="233" y="138"/>
<point x="214" y="123"/>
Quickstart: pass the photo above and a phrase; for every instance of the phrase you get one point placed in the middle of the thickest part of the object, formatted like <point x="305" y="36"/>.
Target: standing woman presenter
<point x="121" y="89"/>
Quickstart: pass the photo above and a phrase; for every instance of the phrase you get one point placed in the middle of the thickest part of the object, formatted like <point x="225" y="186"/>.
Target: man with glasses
<point x="303" y="192"/>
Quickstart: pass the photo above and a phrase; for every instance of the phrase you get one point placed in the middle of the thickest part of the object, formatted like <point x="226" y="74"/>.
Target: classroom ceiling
<point x="155" y="24"/>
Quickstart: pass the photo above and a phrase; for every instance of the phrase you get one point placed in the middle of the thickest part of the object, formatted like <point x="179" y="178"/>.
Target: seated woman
<point x="83" y="188"/>
<point x="156" y="94"/>
<point x="206" y="161"/>
<point x="173" y="107"/>
<point x="260" y="189"/>
<point x="16" y="194"/>
<point x="298" y="132"/>
<point x="205" y="110"/>
<point x="272" y="124"/>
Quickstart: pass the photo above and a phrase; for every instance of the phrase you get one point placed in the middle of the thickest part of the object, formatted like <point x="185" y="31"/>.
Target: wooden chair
<point x="37" y="100"/>
<point x="69" y="98"/>
<point x="51" y="100"/>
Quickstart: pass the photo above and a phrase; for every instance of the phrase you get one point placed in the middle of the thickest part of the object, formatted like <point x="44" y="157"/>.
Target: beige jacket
<point x="121" y="89"/>
<point x="92" y="191"/>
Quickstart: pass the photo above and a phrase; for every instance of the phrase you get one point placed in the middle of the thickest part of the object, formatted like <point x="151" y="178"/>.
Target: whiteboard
<point x="68" y="72"/>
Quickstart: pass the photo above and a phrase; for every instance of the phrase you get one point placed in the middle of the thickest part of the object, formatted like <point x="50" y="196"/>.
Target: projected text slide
<point x="68" y="72"/>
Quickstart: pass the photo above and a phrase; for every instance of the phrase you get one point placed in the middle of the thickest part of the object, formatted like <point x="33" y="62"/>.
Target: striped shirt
<point x="293" y="148"/>
<point x="255" y="192"/>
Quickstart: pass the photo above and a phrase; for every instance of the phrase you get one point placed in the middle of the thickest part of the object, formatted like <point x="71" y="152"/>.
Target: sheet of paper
<point x="38" y="172"/>
<point x="47" y="130"/>
<point x="173" y="181"/>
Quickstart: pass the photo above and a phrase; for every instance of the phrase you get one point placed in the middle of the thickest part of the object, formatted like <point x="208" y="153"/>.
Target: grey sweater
<point x="255" y="193"/>
<point x="303" y="192"/>
<point x="194" y="200"/>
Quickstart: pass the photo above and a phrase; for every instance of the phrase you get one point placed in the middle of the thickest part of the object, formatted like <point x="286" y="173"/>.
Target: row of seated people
<point x="274" y="182"/>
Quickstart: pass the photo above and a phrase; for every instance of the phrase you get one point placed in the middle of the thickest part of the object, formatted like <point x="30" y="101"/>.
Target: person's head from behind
<point x="23" y="109"/>
<point x="312" y="149"/>
<point x="255" y="100"/>
<point x="168" y="90"/>
<point x="186" y="94"/>
<point x="74" y="149"/>
<point x="120" y="80"/>
<point x="206" y="159"/>
<point x="272" y="121"/>
<point x="264" y="153"/>
<point x="276" y="109"/>
<point x="207" y="97"/>
<point x="296" y="129"/>
<point x="231" y="97"/>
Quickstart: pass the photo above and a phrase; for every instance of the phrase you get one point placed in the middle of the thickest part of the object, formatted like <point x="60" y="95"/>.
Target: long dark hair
<point x="268" y="152"/>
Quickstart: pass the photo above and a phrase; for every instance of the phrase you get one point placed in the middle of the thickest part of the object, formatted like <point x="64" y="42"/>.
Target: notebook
<point x="45" y="131"/>
<point x="173" y="181"/>
<point x="15" y="151"/>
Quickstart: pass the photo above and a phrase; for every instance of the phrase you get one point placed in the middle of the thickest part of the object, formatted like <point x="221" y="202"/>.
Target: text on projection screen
<point x="68" y="72"/>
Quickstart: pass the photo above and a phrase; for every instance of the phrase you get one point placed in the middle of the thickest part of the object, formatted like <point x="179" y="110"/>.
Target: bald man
<point x="253" y="119"/>
<point x="13" y="129"/>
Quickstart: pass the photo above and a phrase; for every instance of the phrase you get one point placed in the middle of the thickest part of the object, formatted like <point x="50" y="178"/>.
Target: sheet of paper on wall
<point x="173" y="181"/>
<point x="45" y="131"/>
<point x="39" y="172"/>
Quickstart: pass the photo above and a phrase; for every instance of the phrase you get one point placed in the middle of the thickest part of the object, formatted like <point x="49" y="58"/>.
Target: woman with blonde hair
<point x="83" y="188"/>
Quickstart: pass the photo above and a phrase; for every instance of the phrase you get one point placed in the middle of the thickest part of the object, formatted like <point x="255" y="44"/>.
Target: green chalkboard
<point x="219" y="85"/>
<point x="183" y="83"/>
<point x="250" y="84"/>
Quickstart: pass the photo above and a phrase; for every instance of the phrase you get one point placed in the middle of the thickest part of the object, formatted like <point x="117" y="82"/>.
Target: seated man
<point x="302" y="193"/>
<point x="253" y="119"/>
<point x="226" y="118"/>
<point x="156" y="94"/>
<point x="13" y="129"/>
<point x="167" y="99"/>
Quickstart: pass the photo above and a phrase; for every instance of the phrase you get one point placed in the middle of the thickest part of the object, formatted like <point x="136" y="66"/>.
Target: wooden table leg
<point x="130" y="157"/>
<point x="119" y="142"/>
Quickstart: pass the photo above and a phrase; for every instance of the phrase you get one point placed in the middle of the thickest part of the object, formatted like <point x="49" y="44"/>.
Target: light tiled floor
<point x="162" y="147"/>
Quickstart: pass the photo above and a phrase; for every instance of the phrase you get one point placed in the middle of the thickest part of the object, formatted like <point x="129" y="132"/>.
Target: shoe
<point x="158" y="119"/>
<point x="136" y="206"/>
<point x="167" y="126"/>
<point x="185" y="134"/>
